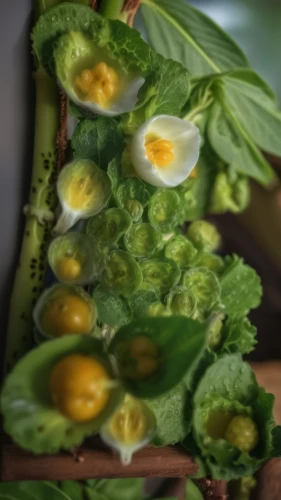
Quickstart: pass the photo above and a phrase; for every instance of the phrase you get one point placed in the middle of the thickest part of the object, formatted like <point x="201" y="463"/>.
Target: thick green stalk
<point x="111" y="8"/>
<point x="32" y="264"/>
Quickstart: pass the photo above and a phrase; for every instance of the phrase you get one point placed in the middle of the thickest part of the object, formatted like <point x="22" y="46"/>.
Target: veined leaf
<point x="178" y="31"/>
<point x="249" y="100"/>
<point x="230" y="140"/>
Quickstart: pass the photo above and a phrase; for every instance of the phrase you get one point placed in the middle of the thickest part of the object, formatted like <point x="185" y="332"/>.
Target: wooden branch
<point x="97" y="462"/>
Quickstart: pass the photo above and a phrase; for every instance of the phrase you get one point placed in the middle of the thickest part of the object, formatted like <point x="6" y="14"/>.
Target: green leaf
<point x="121" y="489"/>
<point x="240" y="287"/>
<point x="122" y="43"/>
<point x="180" y="342"/>
<point x="192" y="492"/>
<point x="173" y="415"/>
<point x="30" y="417"/>
<point x="132" y="189"/>
<point x="99" y="140"/>
<point x="228" y="377"/>
<point x="44" y="490"/>
<point x="276" y="445"/>
<point x="183" y="33"/>
<point x="165" y="92"/>
<point x="112" y="309"/>
<point x="230" y="192"/>
<point x="253" y="106"/>
<point x="230" y="140"/>
<point x="239" y="336"/>
<point x="73" y="489"/>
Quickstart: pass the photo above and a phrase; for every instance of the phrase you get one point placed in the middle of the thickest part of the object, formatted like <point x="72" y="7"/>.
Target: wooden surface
<point x="99" y="462"/>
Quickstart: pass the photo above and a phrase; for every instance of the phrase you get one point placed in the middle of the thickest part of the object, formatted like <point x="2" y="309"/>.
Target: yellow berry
<point x="68" y="268"/>
<point x="65" y="315"/>
<point x="78" y="387"/>
<point x="242" y="432"/>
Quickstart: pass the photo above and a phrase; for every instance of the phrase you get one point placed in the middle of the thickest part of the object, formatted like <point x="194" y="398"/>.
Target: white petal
<point x="126" y="102"/>
<point x="186" y="139"/>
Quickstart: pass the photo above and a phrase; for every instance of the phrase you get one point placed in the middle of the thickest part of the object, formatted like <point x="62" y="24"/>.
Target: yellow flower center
<point x="160" y="152"/>
<point x="81" y="193"/>
<point x="68" y="268"/>
<point x="100" y="84"/>
<point x="129" y="425"/>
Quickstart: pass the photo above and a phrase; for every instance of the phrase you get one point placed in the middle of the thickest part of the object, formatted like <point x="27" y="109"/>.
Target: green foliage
<point x="180" y="342"/>
<point x="204" y="236"/>
<point x="238" y="336"/>
<point x="185" y="34"/>
<point x="142" y="240"/>
<point x="107" y="227"/>
<point x="113" y="310"/>
<point x="122" y="273"/>
<point x="112" y="36"/>
<point x="162" y="274"/>
<point x="173" y="415"/>
<point x="229" y="388"/>
<point x="92" y="137"/>
<point x="163" y="209"/>
<point x="205" y="286"/>
<point x="30" y="417"/>
<point x="240" y="287"/>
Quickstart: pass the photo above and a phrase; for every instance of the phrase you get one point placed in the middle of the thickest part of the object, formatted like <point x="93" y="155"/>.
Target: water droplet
<point x="68" y="19"/>
<point x="54" y="18"/>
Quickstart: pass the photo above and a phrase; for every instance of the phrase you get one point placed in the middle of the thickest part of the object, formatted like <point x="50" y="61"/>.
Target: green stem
<point x="111" y="9"/>
<point x="32" y="265"/>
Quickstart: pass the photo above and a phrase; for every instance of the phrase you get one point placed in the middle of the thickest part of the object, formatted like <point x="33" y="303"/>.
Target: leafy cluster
<point x="234" y="108"/>
<point x="156" y="283"/>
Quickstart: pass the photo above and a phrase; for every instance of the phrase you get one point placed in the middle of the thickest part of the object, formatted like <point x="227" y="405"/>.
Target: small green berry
<point x="242" y="432"/>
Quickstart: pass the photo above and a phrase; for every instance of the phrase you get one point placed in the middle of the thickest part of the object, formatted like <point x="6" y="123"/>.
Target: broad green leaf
<point x="192" y="492"/>
<point x="30" y="417"/>
<point x="240" y="287"/>
<point x="173" y="415"/>
<point x="112" y="309"/>
<point x="247" y="97"/>
<point x="44" y="490"/>
<point x="176" y="341"/>
<point x="121" y="489"/>
<point x="230" y="140"/>
<point x="228" y="377"/>
<point x="99" y="140"/>
<point x="183" y="33"/>
<point x="73" y="489"/>
<point x="239" y="336"/>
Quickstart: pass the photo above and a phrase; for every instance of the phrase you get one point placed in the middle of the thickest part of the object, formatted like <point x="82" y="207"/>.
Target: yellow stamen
<point x="100" y="84"/>
<point x="160" y="152"/>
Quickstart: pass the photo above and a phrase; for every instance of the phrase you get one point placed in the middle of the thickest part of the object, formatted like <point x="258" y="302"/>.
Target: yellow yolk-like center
<point x="160" y="152"/>
<point x="100" y="84"/>
<point x="129" y="425"/>
<point x="81" y="193"/>
<point x="78" y="387"/>
<point x="65" y="315"/>
<point x="68" y="268"/>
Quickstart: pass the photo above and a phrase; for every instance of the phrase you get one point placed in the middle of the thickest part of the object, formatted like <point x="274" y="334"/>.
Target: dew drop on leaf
<point x="54" y="18"/>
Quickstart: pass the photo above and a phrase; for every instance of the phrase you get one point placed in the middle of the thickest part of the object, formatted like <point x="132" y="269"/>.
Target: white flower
<point x="164" y="150"/>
